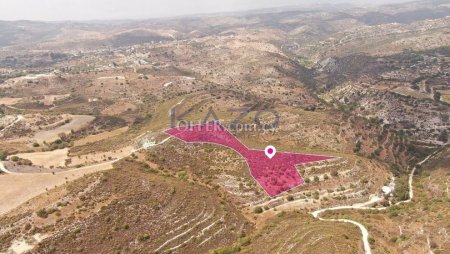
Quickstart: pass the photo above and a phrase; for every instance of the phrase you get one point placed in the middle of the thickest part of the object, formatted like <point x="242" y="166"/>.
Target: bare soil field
<point x="99" y="157"/>
<point x="445" y="96"/>
<point x="77" y="122"/>
<point x="51" y="159"/>
<point x="19" y="188"/>
<point x="52" y="98"/>
<point x="101" y="136"/>
<point x="410" y="92"/>
<point x="118" y="108"/>
<point x="9" y="101"/>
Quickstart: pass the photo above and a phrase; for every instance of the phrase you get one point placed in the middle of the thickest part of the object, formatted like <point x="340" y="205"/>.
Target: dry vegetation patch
<point x="150" y="213"/>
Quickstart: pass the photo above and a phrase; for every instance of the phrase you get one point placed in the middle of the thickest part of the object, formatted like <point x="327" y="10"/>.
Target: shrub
<point x="392" y="212"/>
<point x="433" y="245"/>
<point x="25" y="162"/>
<point x="3" y="156"/>
<point x="76" y="231"/>
<point x="357" y="147"/>
<point x="281" y="214"/>
<point x="290" y="198"/>
<point x="377" y="152"/>
<point x="42" y="213"/>
<point x="258" y="209"/>
<point x="316" y="195"/>
<point x="62" y="203"/>
<point x="437" y="96"/>
<point x="402" y="189"/>
<point x="182" y="175"/>
<point x="234" y="248"/>
<point x="443" y="136"/>
<point x="241" y="234"/>
<point x="52" y="210"/>
<point x="143" y="237"/>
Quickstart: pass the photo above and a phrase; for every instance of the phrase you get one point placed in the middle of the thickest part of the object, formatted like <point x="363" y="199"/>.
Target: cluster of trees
<point x="21" y="161"/>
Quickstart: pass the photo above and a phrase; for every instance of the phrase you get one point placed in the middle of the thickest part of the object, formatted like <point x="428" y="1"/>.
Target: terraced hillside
<point x="416" y="227"/>
<point x="299" y="233"/>
<point x="86" y="164"/>
<point x="122" y="210"/>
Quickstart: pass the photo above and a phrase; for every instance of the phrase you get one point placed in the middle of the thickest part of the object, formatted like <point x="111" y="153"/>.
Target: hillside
<point x="87" y="164"/>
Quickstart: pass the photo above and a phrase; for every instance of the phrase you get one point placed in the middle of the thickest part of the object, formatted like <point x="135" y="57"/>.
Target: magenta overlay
<point x="275" y="175"/>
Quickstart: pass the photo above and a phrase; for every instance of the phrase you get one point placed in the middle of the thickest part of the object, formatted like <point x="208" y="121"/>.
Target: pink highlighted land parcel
<point x="275" y="175"/>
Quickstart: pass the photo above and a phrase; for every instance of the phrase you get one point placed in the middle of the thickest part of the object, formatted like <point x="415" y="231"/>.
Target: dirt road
<point x="366" y="206"/>
<point x="77" y="122"/>
<point x="18" y="188"/>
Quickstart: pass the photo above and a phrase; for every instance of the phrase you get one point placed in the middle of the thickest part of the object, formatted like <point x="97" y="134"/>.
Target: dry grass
<point x="131" y="205"/>
<point x="18" y="189"/>
<point x="9" y="101"/>
<point x="300" y="233"/>
<point x="56" y="158"/>
<point x="407" y="228"/>
<point x="77" y="122"/>
<point x="101" y="136"/>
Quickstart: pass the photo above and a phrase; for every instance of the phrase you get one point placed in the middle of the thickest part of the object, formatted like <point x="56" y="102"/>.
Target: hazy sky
<point x="137" y="9"/>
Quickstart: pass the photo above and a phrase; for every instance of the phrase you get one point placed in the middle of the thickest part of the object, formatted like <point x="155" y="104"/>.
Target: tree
<point x="3" y="156"/>
<point x="437" y="96"/>
<point x="357" y="146"/>
<point x="42" y="213"/>
<point x="258" y="209"/>
<point x="443" y="136"/>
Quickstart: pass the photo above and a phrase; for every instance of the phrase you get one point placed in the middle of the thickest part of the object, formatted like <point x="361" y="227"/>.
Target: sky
<point x="57" y="10"/>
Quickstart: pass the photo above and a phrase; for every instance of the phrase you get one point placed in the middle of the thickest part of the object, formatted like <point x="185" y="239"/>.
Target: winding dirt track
<point x="18" y="188"/>
<point x="18" y="119"/>
<point x="365" y="206"/>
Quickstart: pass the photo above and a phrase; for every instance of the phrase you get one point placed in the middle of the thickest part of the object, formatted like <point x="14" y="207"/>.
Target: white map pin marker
<point x="270" y="151"/>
